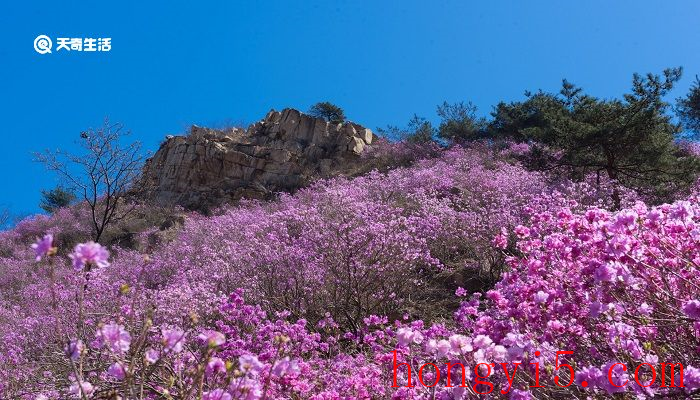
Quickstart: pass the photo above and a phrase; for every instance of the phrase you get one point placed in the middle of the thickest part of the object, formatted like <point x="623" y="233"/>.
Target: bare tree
<point x="9" y="218"/>
<point x="102" y="173"/>
<point x="5" y="217"/>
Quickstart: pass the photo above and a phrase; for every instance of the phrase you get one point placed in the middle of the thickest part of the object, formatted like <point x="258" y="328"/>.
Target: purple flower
<point x="114" y="337"/>
<point x="591" y="375"/>
<point x="482" y="341"/>
<point x="443" y="347"/>
<point x="215" y="366"/>
<point x="44" y="246"/>
<point x="501" y="240"/>
<point x="406" y="336"/>
<point x="431" y="346"/>
<point x="249" y="362"/>
<point x="623" y="221"/>
<point x="217" y="394"/>
<point x="691" y="378"/>
<point x="74" y="349"/>
<point x="285" y="367"/>
<point x="520" y="395"/>
<point x="91" y="254"/>
<point x="541" y="297"/>
<point x="173" y="340"/>
<point x="247" y="389"/>
<point x="117" y="370"/>
<point x="460" y="344"/>
<point x="692" y="309"/>
<point x="152" y="356"/>
<point x="212" y="338"/>
<point x="87" y="387"/>
<point x="613" y="373"/>
<point x="645" y="309"/>
<point x="596" y="308"/>
<point x="605" y="273"/>
<point x="682" y="210"/>
<point x="523" y="232"/>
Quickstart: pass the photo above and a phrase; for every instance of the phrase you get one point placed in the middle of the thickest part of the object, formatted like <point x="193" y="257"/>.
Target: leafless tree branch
<point x="102" y="173"/>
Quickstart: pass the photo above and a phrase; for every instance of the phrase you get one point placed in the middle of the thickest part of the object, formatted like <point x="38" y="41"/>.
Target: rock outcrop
<point x="283" y="152"/>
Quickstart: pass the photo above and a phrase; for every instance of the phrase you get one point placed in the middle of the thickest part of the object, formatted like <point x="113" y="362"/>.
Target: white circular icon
<point x="42" y="44"/>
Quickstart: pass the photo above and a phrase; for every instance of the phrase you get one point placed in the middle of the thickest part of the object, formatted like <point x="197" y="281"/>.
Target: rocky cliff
<point x="283" y="152"/>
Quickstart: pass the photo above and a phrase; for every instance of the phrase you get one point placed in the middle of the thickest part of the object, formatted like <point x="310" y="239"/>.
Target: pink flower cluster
<point x="338" y="291"/>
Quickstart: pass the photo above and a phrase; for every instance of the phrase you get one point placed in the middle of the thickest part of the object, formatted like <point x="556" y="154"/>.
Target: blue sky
<point x="175" y="63"/>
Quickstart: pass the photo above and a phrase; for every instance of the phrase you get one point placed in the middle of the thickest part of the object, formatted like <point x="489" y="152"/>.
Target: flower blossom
<point x="541" y="297"/>
<point x="692" y="309"/>
<point x="114" y="337"/>
<point x="74" y="349"/>
<point x="285" y="367"/>
<point x="212" y="338"/>
<point x="217" y="394"/>
<point x="250" y="363"/>
<point x="482" y="341"/>
<point x="87" y="389"/>
<point x="152" y="356"/>
<point x="173" y="339"/>
<point x="407" y="336"/>
<point x="215" y="366"/>
<point x="44" y="247"/>
<point x="614" y="377"/>
<point x="89" y="254"/>
<point x="117" y="370"/>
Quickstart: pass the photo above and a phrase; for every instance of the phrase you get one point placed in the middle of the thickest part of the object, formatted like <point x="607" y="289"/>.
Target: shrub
<point x="466" y="257"/>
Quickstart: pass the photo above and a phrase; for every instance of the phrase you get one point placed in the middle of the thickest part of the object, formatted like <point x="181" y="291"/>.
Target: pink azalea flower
<point x="523" y="232"/>
<point x="482" y="341"/>
<point x="406" y="336"/>
<point x="217" y="394"/>
<point x="692" y="309"/>
<point x="541" y="297"/>
<point x="591" y="375"/>
<point x="285" y="367"/>
<point x="152" y="356"/>
<point x="114" y="337"/>
<point x="74" y="349"/>
<point x="215" y="366"/>
<point x="89" y="254"/>
<point x="501" y="240"/>
<point x="173" y="339"/>
<point x="605" y="273"/>
<point x="460" y="344"/>
<point x="212" y="338"/>
<point x="443" y="347"/>
<point x="691" y="378"/>
<point x="43" y="246"/>
<point x="613" y="374"/>
<point x="117" y="370"/>
<point x="250" y="363"/>
<point x="87" y="389"/>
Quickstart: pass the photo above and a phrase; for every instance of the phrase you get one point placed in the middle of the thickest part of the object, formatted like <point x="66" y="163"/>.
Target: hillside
<point x="462" y="256"/>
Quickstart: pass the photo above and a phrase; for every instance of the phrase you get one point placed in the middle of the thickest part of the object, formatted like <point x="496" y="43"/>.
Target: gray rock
<point x="208" y="167"/>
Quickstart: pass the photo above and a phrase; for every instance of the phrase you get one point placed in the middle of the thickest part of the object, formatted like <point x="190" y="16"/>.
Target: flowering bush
<point x="339" y="290"/>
